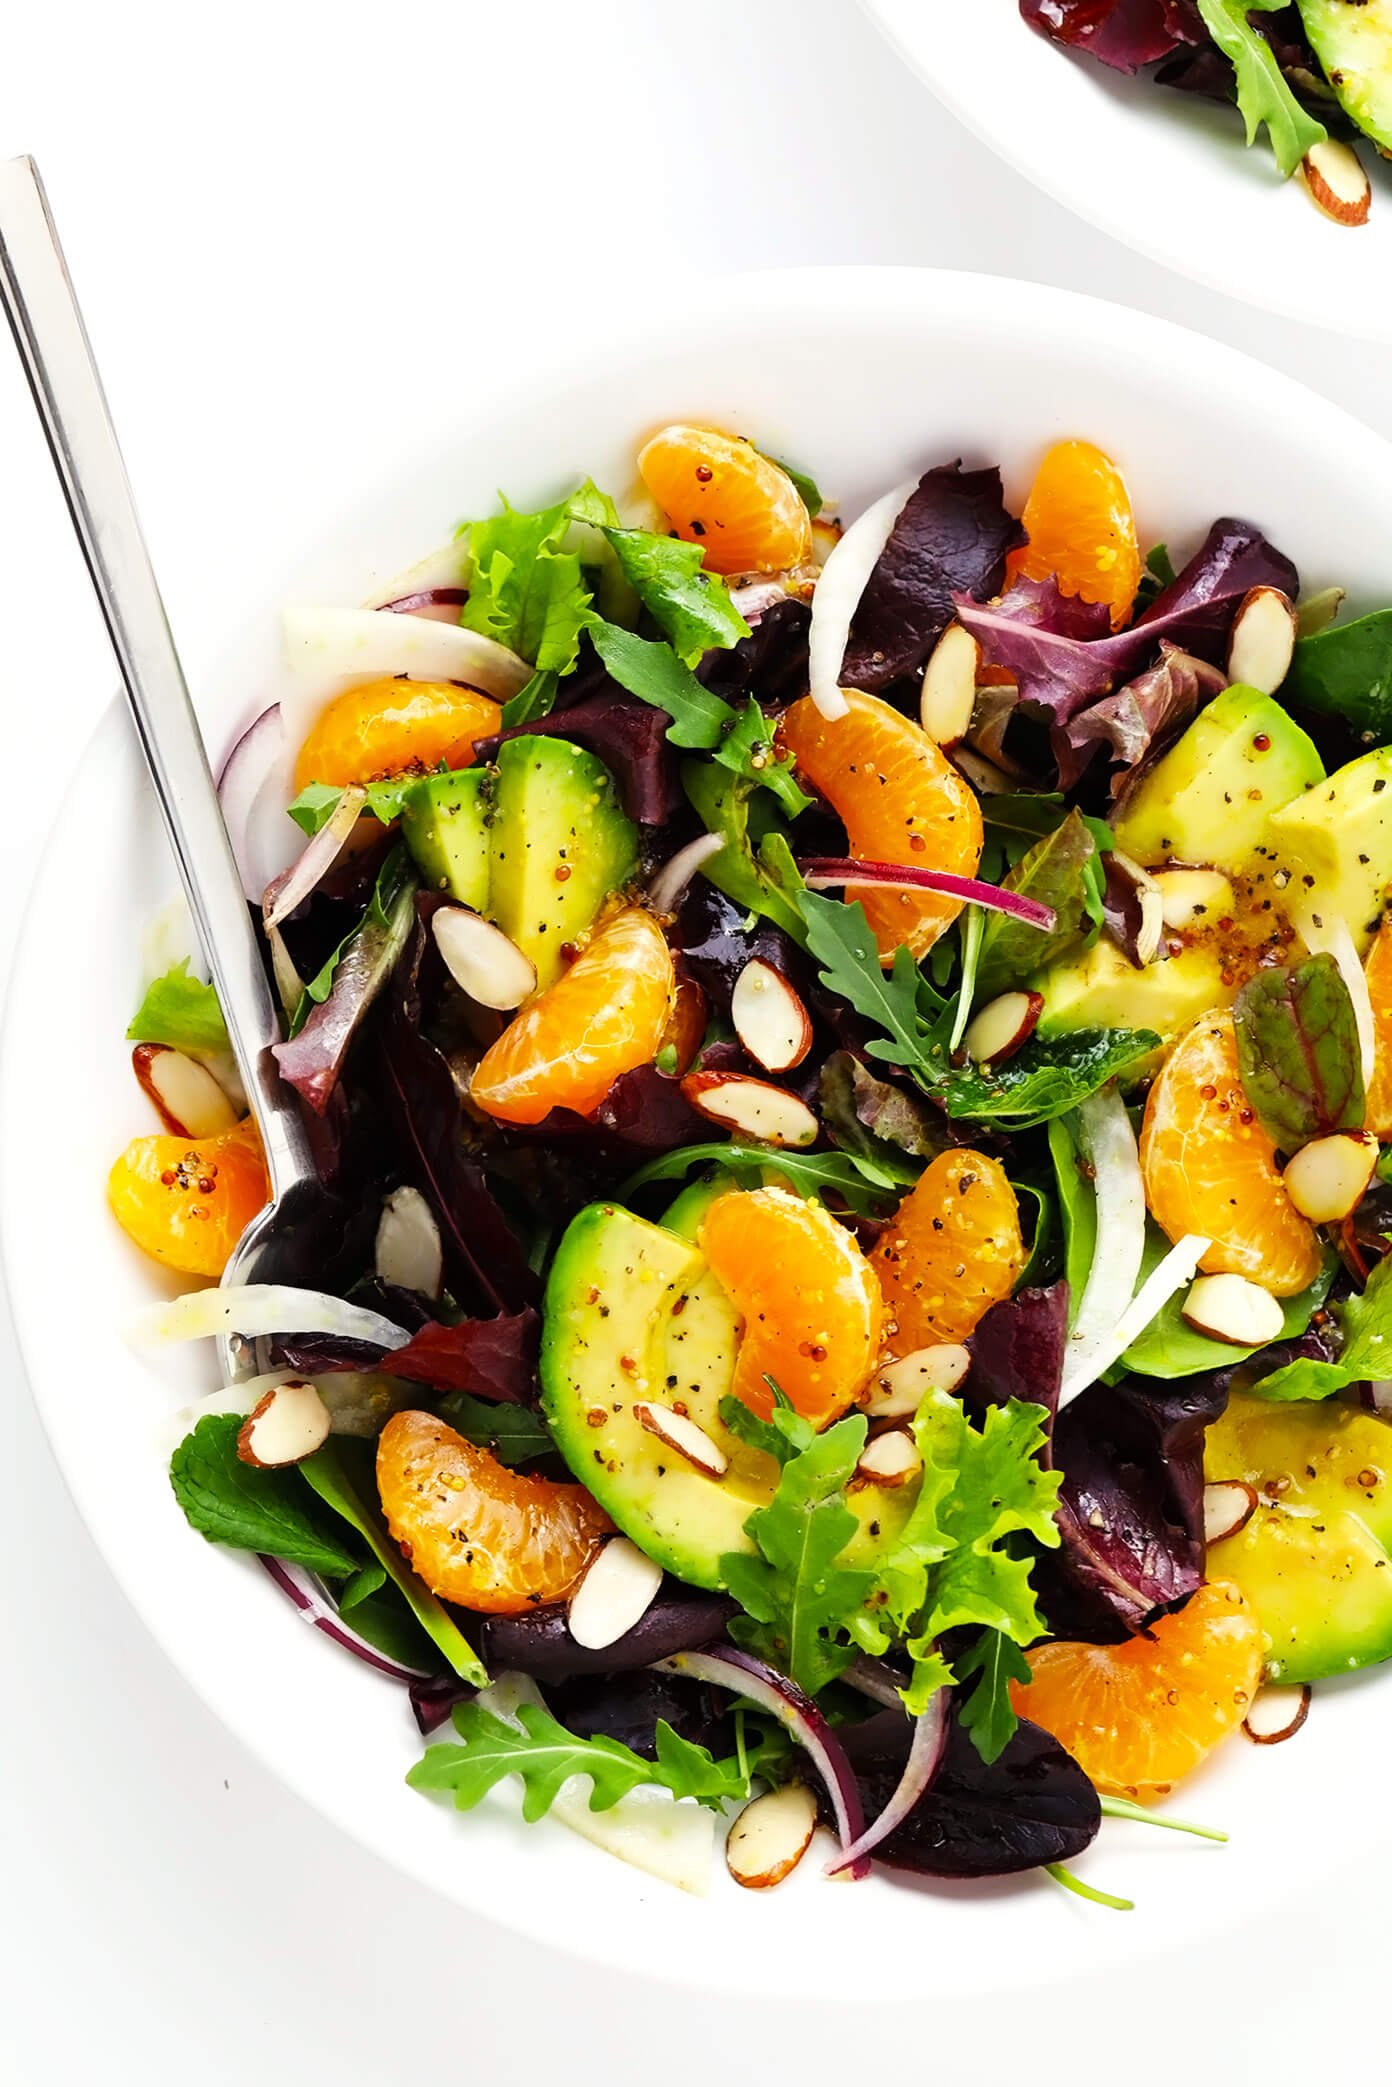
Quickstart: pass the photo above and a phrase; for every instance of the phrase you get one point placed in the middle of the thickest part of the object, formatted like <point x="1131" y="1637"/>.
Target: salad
<point x="854" y="1063"/>
<point x="1313" y="75"/>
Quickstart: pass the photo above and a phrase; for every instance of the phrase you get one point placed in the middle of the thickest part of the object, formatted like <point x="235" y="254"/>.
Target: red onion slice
<point x="728" y="1668"/>
<point x="672" y="879"/>
<point x="253" y="789"/>
<point x="819" y="872"/>
<point x="309" y="1598"/>
<point x="294" y="886"/>
<point x="926" y="1750"/>
<point x="438" y="604"/>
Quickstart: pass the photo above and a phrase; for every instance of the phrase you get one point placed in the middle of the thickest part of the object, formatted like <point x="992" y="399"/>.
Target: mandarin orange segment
<point x="1138" y="1716"/>
<point x="951" y="1251"/>
<point x="603" y="1017"/>
<point x="394" y="727"/>
<point x="717" y="491"/>
<point x="1081" y="529"/>
<point x="187" y="1201"/>
<point x="476" y="1533"/>
<point x="1210" y="1168"/>
<point x="1377" y="1115"/>
<point x="807" y="1296"/>
<point x="900" y="800"/>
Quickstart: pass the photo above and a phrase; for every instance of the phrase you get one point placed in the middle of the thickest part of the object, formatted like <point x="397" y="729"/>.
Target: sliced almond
<point x="1002" y="1025"/>
<point x="483" y="961"/>
<point x="408" y="1250"/>
<point x="769" y="1838"/>
<point x="1193" y="898"/>
<point x="1229" y="1308"/>
<point x="899" y="1388"/>
<point x="752" y="1107"/>
<point x="891" y="1459"/>
<point x="618" y="1589"/>
<point x="1278" y="1711"/>
<point x="1335" y="177"/>
<point x="1228" y="1505"/>
<point x="769" y="1017"/>
<point x="948" y="695"/>
<point x="682" y="1435"/>
<point x="1262" y="641"/>
<point x="284" y="1427"/>
<point x="1328" y="1178"/>
<point x="190" y="1101"/>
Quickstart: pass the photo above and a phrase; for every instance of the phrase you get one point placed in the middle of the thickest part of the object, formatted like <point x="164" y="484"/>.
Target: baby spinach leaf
<point x="1169" y="1348"/>
<point x="180" y="1011"/>
<point x="1298" y="1052"/>
<point x="546" y="1756"/>
<point x="515" y="1434"/>
<point x="1346" y="672"/>
<point x="1045" y="1078"/>
<point x="249" y="1509"/>
<point x="1077" y="1202"/>
<point x="1263" y="93"/>
<point x="1053" y="872"/>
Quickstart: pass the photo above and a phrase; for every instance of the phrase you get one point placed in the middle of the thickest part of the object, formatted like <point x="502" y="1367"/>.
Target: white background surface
<point x="285" y="222"/>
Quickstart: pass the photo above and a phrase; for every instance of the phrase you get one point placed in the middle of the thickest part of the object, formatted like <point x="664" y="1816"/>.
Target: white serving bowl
<point x="862" y="376"/>
<point x="1165" y="173"/>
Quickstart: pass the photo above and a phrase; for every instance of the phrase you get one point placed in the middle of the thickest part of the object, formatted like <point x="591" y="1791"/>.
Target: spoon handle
<point x="43" y="312"/>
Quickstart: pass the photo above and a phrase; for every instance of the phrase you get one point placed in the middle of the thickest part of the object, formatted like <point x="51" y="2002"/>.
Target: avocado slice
<point x="559" y="845"/>
<point x="1353" y="41"/>
<point x="1313" y="1560"/>
<point x="1337" y="843"/>
<point x="444" y="822"/>
<point x="633" y="1313"/>
<point x="1103" y="989"/>
<point x="1211" y="797"/>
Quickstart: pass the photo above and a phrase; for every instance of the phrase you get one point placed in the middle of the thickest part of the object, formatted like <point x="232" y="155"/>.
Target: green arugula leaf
<point x="1366" y="1355"/>
<point x="534" y="701"/>
<point x="748" y="751"/>
<point x="797" y="1599"/>
<point x="692" y="606"/>
<point x="1053" y="872"/>
<point x="1298" y="1052"/>
<point x="249" y="1509"/>
<point x="515" y="1434"/>
<point x="331" y="1474"/>
<point x="995" y="1660"/>
<point x="180" y="1011"/>
<point x="317" y="802"/>
<point x="860" y="1184"/>
<point x="764" y="884"/>
<point x="1170" y="1348"/>
<point x="1263" y="94"/>
<point x="526" y="590"/>
<point x="1346" y="672"/>
<point x="840" y="938"/>
<point x="545" y="1755"/>
<point x="784" y="1435"/>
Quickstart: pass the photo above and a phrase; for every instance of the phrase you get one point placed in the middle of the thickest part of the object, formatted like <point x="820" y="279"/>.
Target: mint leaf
<point x="248" y="1509"/>
<point x="994" y="1661"/>
<point x="515" y="1434"/>
<point x="1263" y="93"/>
<point x="545" y="1755"/>
<point x="180" y="1011"/>
<point x="692" y="606"/>
<point x="1298" y="1052"/>
<point x="1053" y="872"/>
<point x="855" y="1179"/>
<point x="525" y="590"/>
<point x="797" y="1599"/>
<point x="330" y="1475"/>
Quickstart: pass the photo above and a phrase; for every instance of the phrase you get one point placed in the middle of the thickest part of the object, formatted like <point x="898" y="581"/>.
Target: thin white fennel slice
<point x="1327" y="934"/>
<point x="1109" y="1145"/>
<point x="649" y="1829"/>
<point x="841" y="583"/>
<point x="256" y="1309"/>
<point x="331" y="643"/>
<point x="1171" y="1274"/>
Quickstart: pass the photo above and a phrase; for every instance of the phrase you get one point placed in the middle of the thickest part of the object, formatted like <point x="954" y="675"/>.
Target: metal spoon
<point x="292" y="1239"/>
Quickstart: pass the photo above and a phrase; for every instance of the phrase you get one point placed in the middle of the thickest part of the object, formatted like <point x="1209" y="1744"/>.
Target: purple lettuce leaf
<point x="629" y="1706"/>
<point x="950" y="541"/>
<point x="484" y="1263"/>
<point x="1139" y="720"/>
<point x="1017" y="1350"/>
<point x="770" y="664"/>
<point x="1124" y="34"/>
<point x="1030" y="1806"/>
<point x="1057" y="647"/>
<point x="540" y="1643"/>
<point x="312" y="1061"/>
